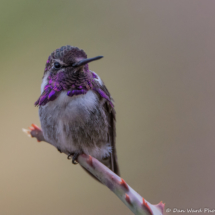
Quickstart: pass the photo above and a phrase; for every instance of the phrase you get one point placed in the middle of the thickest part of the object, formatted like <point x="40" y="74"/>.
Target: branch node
<point x="160" y="206"/>
<point x="146" y="206"/>
<point x="35" y="126"/>
<point x="123" y="184"/>
<point x="127" y="198"/>
<point x="90" y="161"/>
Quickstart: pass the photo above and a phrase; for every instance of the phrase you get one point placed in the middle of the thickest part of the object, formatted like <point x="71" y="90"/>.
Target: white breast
<point x="64" y="110"/>
<point x="74" y="105"/>
<point x="44" y="81"/>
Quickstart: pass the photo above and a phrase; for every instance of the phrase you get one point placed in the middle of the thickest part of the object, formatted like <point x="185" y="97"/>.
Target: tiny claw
<point x="74" y="161"/>
<point x="69" y="156"/>
<point x="74" y="158"/>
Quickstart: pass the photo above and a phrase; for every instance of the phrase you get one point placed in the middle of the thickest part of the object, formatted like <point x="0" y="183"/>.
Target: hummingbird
<point x="76" y="110"/>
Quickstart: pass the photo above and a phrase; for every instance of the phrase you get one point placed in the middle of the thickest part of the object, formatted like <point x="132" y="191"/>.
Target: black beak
<point x="85" y="61"/>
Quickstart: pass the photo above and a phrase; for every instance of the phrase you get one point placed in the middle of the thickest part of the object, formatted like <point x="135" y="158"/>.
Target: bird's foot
<point x="74" y="157"/>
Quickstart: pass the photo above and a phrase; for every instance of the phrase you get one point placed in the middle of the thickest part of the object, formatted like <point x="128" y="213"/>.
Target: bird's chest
<point x="65" y="121"/>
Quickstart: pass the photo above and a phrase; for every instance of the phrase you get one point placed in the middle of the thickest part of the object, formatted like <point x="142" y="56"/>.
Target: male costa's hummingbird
<point x="76" y="110"/>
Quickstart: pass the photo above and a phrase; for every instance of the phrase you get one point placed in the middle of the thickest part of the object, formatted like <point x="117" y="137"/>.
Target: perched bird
<point x="76" y="110"/>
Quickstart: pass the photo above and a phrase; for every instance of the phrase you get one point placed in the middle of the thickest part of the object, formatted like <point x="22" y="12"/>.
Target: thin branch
<point x="137" y="204"/>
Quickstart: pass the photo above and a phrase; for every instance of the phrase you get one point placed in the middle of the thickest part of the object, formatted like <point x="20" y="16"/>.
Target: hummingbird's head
<point x="68" y="59"/>
<point x="66" y="69"/>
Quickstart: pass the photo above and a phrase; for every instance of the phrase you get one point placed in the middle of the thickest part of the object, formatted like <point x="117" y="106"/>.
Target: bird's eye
<point x="57" y="65"/>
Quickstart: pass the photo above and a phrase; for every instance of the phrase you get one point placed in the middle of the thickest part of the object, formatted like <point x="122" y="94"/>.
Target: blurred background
<point x="159" y="67"/>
